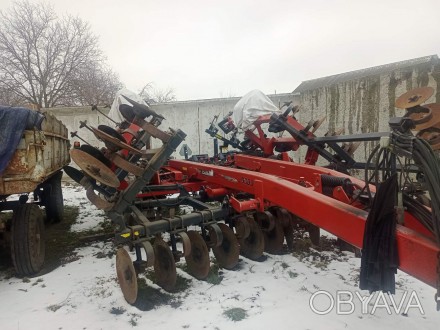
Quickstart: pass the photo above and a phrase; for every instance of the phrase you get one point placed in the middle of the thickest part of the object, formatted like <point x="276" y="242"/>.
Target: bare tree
<point x="8" y="97"/>
<point x="93" y="83"/>
<point x="41" y="54"/>
<point x="150" y="93"/>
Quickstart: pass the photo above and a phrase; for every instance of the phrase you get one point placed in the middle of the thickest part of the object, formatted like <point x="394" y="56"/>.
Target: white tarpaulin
<point x="251" y="106"/>
<point x="114" y="110"/>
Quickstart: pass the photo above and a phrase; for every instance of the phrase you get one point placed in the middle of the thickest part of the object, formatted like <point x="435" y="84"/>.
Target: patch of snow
<point x="274" y="293"/>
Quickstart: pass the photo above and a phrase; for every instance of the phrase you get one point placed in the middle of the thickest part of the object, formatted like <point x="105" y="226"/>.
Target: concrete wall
<point x="192" y="117"/>
<point x="366" y="104"/>
<point x="358" y="106"/>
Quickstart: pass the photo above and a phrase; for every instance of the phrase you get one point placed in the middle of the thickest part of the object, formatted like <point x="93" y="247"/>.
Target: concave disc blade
<point x="75" y="175"/>
<point x="164" y="265"/>
<point x="432" y="136"/>
<point x="414" y="97"/>
<point x="127" y="277"/>
<point x="274" y="239"/>
<point x="434" y="119"/>
<point x="252" y="247"/>
<point x="112" y="132"/>
<point x="228" y="252"/>
<point x="94" y="168"/>
<point x="113" y="142"/>
<point x="92" y="151"/>
<point x="127" y="112"/>
<point x="141" y="110"/>
<point x="198" y="260"/>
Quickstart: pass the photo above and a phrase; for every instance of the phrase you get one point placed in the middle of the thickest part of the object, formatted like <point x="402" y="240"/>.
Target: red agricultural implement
<point x="392" y="215"/>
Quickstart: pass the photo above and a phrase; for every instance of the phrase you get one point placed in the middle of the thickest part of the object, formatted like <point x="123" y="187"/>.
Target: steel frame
<point x="272" y="182"/>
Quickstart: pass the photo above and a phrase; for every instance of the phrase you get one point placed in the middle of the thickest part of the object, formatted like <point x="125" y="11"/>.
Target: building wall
<point x="366" y="104"/>
<point x="192" y="117"/>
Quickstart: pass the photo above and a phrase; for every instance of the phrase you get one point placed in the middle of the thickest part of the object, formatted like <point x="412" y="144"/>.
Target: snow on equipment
<point x="264" y="196"/>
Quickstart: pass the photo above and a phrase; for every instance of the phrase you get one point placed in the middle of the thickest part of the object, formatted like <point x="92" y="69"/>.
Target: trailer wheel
<point x="53" y="199"/>
<point x="27" y="239"/>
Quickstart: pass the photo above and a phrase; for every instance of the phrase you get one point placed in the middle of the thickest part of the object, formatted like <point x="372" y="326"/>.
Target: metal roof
<point x="353" y="75"/>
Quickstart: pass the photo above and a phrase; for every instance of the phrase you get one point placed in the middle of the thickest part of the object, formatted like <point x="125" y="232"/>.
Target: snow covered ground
<point x="271" y="294"/>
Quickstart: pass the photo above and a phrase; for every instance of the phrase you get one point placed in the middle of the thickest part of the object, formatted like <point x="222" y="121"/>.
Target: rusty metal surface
<point x="414" y="97"/>
<point x="38" y="155"/>
<point x="127" y="277"/>
<point x="126" y="165"/>
<point x="95" y="152"/>
<point x="198" y="259"/>
<point x="112" y="141"/>
<point x="433" y="117"/>
<point x="152" y="130"/>
<point x="432" y="136"/>
<point x="112" y="132"/>
<point x="149" y="153"/>
<point x="164" y="265"/>
<point x="186" y="242"/>
<point x="98" y="201"/>
<point x="228" y="252"/>
<point x="94" y="168"/>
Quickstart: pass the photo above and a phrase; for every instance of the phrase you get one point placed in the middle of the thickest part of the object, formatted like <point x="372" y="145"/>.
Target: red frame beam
<point x="418" y="254"/>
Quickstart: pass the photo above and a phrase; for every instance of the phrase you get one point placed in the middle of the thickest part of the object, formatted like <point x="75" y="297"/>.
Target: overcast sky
<point x="209" y="49"/>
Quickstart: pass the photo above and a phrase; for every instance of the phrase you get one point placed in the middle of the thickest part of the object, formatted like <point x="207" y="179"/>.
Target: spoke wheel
<point x="127" y="277"/>
<point x="228" y="252"/>
<point x="164" y="265"/>
<point x="198" y="260"/>
<point x="252" y="247"/>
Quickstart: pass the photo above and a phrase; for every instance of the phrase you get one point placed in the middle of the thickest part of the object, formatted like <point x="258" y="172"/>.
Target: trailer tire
<point x="27" y="239"/>
<point x="53" y="199"/>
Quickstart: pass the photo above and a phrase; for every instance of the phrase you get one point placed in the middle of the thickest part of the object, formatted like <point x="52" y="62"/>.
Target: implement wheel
<point x="164" y="265"/>
<point x="228" y="252"/>
<point x="53" y="199"/>
<point x="198" y="260"/>
<point x="27" y="239"/>
<point x="127" y="277"/>
<point x="252" y="247"/>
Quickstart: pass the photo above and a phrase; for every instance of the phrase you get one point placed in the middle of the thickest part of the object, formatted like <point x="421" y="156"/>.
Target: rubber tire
<point x="53" y="199"/>
<point x="27" y="240"/>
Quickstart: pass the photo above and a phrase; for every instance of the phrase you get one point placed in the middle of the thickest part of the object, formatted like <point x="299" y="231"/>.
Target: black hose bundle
<point x="429" y="163"/>
<point x="379" y="253"/>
